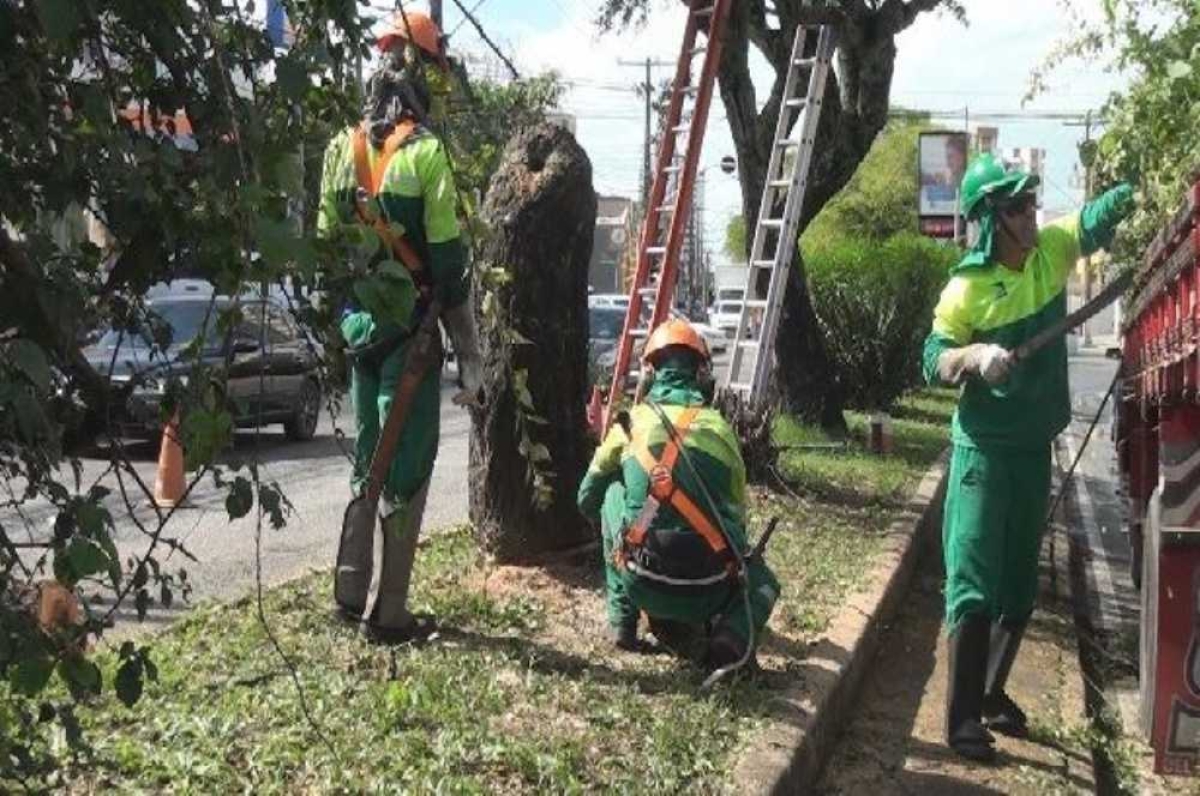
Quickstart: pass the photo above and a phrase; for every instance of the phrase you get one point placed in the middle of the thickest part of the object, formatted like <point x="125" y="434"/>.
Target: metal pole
<point x="646" y="140"/>
<point x="435" y="13"/>
<point x="1087" y="261"/>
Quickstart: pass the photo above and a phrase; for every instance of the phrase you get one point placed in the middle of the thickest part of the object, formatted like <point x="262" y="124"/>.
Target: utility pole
<point x="648" y="90"/>
<point x="435" y="13"/>
<point x="1087" y="158"/>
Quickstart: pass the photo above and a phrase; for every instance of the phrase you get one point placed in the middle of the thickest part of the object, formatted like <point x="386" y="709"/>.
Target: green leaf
<point x="30" y="675"/>
<point x="240" y="499"/>
<point x="539" y="452"/>
<point x="59" y="17"/>
<point x="142" y="603"/>
<point x="205" y="434"/>
<point x="80" y="674"/>
<point x="92" y="519"/>
<point x="1178" y="70"/>
<point x="292" y="78"/>
<point x="129" y="682"/>
<point x="86" y="558"/>
<point x="30" y="360"/>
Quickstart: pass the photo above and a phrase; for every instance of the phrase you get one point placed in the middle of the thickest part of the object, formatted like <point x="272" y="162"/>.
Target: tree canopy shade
<point x="856" y="103"/>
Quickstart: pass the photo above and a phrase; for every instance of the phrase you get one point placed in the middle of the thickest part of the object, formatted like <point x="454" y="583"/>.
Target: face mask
<point x="391" y="94"/>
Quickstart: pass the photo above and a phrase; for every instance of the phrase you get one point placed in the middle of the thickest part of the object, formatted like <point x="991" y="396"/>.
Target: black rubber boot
<point x="624" y="635"/>
<point x="1000" y="713"/>
<point x="965" y="733"/>
<point x="679" y="638"/>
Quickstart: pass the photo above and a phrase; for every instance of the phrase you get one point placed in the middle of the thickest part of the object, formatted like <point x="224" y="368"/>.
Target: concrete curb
<point x="788" y="755"/>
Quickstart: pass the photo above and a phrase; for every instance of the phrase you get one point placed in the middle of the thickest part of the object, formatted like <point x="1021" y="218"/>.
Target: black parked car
<point x="271" y="376"/>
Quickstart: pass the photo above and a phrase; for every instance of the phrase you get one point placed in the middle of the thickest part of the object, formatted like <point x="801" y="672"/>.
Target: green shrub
<point x="874" y="301"/>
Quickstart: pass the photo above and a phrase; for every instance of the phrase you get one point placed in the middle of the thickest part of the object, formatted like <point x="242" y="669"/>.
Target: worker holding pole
<point x="390" y="174"/>
<point x="1009" y="287"/>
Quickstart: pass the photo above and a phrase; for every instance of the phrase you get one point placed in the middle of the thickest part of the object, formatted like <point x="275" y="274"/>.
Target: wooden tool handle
<point x="426" y="345"/>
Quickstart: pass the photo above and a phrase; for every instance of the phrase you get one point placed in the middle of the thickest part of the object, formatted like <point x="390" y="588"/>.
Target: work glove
<point x="990" y="362"/>
<point x="460" y="325"/>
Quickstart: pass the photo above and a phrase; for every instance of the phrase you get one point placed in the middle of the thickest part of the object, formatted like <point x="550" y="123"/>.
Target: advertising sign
<point x="942" y="159"/>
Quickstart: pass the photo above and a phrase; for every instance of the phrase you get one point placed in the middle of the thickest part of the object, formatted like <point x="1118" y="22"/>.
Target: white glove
<point x="995" y="363"/>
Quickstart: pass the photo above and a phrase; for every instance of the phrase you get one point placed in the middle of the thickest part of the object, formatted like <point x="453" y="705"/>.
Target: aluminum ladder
<point x="664" y="224"/>
<point x="775" y="236"/>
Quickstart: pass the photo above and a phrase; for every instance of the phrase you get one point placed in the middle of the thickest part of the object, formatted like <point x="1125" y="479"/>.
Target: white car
<point x="714" y="338"/>
<point x="617" y="300"/>
<point x="725" y="317"/>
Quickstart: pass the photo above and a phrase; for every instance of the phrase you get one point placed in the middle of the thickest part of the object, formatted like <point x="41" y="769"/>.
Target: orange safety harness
<point x="664" y="491"/>
<point x="370" y="180"/>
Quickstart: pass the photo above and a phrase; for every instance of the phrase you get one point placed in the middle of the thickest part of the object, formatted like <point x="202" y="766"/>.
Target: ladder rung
<point x="763" y="263"/>
<point x="641" y="331"/>
<point x="772" y="223"/>
<point x="740" y="385"/>
<point x="779" y="183"/>
<point x="665" y="208"/>
<point x="652" y="251"/>
<point x="756" y="304"/>
<point x="681" y="128"/>
<point x="704" y="12"/>
<point x="786" y="142"/>
<point x="748" y="343"/>
<point x="796" y="102"/>
<point x="803" y="61"/>
<point x="697" y="51"/>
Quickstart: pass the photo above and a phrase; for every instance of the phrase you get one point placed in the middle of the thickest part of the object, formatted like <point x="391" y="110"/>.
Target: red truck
<point x="1158" y="451"/>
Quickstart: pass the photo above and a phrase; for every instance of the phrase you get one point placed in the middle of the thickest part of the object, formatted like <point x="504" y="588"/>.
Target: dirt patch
<point x="895" y="743"/>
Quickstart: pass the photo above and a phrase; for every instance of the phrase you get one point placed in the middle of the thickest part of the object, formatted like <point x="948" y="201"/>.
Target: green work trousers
<point x="995" y="513"/>
<point x="372" y="389"/>
<point x="627" y="593"/>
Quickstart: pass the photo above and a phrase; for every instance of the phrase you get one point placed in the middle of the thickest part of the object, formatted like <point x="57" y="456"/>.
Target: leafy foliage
<point x="874" y="280"/>
<point x="1149" y="129"/>
<point x="186" y="144"/>
<point x="874" y="300"/>
<point x="880" y="200"/>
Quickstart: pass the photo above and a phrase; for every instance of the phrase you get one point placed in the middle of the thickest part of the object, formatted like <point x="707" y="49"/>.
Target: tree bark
<point x="540" y="213"/>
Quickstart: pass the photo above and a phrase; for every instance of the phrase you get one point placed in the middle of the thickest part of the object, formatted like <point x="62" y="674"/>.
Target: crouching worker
<point x="670" y="493"/>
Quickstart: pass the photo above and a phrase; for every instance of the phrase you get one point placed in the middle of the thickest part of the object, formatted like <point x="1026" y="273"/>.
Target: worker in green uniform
<point x="1011" y="285"/>
<point x="390" y="174"/>
<point x="669" y="490"/>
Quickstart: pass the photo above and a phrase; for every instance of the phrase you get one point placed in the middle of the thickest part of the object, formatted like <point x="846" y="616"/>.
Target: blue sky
<point x="942" y="66"/>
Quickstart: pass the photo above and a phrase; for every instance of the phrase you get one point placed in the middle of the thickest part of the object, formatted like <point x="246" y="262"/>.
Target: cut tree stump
<point x="540" y="214"/>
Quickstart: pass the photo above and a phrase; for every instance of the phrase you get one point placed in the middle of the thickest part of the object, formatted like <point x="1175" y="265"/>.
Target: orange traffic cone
<point x="169" y="482"/>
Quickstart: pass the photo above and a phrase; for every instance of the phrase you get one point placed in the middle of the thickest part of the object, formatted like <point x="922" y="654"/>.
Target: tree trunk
<point x="540" y="214"/>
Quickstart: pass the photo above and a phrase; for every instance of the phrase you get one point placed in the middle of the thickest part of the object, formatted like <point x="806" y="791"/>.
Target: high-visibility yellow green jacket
<point x="417" y="194"/>
<point x="714" y="452"/>
<point x="987" y="302"/>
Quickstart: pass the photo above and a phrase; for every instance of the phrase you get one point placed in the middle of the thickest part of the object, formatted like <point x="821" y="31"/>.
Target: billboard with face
<point x="942" y="159"/>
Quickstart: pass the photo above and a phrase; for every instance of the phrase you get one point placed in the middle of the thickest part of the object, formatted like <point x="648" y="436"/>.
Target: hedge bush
<point x="874" y="301"/>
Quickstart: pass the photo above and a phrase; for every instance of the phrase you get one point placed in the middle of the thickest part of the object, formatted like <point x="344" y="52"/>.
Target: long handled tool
<point x="1111" y="292"/>
<point x="353" y="575"/>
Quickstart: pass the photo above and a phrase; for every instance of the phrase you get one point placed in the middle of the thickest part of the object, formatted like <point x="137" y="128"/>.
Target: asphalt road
<point x="313" y="475"/>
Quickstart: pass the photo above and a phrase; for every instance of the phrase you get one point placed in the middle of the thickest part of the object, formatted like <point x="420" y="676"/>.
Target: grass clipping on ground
<point x="520" y="692"/>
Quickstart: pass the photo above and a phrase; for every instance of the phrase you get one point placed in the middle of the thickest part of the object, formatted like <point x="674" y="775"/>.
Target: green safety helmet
<point x="987" y="176"/>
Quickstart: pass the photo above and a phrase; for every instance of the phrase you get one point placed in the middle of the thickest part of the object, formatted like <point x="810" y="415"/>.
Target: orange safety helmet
<point x="425" y="33"/>
<point x="675" y="332"/>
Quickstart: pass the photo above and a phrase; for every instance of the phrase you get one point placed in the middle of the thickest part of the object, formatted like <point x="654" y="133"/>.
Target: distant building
<point x="611" y="245"/>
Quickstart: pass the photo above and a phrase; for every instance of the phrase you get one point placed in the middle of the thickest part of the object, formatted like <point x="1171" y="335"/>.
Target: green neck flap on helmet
<point x="986" y="185"/>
